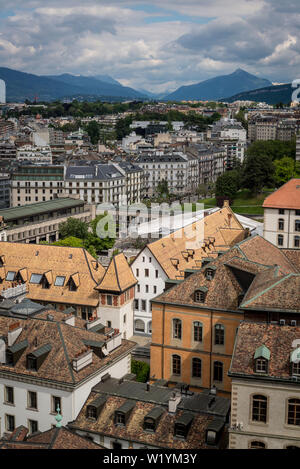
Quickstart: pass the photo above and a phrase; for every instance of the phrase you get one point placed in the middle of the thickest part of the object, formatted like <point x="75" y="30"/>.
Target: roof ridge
<point x="269" y="288"/>
<point x="116" y="271"/>
<point x="66" y="353"/>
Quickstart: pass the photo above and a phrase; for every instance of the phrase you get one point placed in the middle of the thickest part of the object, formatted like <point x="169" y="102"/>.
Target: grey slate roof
<point x="95" y="172"/>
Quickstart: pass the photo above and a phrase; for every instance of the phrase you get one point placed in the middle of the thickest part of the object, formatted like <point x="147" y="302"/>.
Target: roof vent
<point x="50" y="317"/>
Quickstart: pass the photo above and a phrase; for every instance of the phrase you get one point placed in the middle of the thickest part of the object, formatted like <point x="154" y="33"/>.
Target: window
<point x="297" y="241"/>
<point x="219" y="334"/>
<point x="91" y="412"/>
<point x="196" y="368"/>
<point x="136" y="304"/>
<point x="36" y="278"/>
<point x="154" y="289"/>
<point x="137" y="272"/>
<point x="156" y="273"/>
<point x="177" y="329"/>
<point x="281" y="224"/>
<point x="55" y="403"/>
<point x="116" y="445"/>
<point x="297" y="225"/>
<point x="59" y="281"/>
<point x="9" y="395"/>
<point x="109" y="300"/>
<point x="32" y="400"/>
<point x="199" y="296"/>
<point x="120" y="418"/>
<point x="146" y="272"/>
<point x="176" y="365"/>
<point x="10" y="423"/>
<point x="33" y="426"/>
<point x="294" y="412"/>
<point x="124" y="319"/>
<point x="10" y="276"/>
<point x="139" y="325"/>
<point x="149" y="425"/>
<point x="143" y="305"/>
<point x="31" y="363"/>
<point x="257" y="445"/>
<point x="108" y="323"/>
<point x="281" y="211"/>
<point x="138" y="288"/>
<point x="296" y="369"/>
<point x="259" y="408"/>
<point x="280" y="240"/>
<point x="180" y="430"/>
<point x="261" y="365"/>
<point x="209" y="274"/>
<point x="147" y="288"/>
<point x="218" y="371"/>
<point x="198" y="330"/>
<point x="297" y="212"/>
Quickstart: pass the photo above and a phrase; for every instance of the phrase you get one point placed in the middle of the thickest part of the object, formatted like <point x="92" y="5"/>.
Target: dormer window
<point x="36" y="278"/>
<point x="10" y="277"/>
<point x="123" y="413"/>
<point x="31" y="363"/>
<point x="296" y="369"/>
<point x="261" y="359"/>
<point x="152" y="419"/>
<point x="200" y="295"/>
<point x="93" y="410"/>
<point x="182" y="425"/>
<point x="120" y="419"/>
<point x="295" y="362"/>
<point x="209" y="273"/>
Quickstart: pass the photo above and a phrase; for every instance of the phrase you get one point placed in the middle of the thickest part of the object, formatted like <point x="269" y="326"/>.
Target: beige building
<point x="282" y="216"/>
<point x="265" y="402"/>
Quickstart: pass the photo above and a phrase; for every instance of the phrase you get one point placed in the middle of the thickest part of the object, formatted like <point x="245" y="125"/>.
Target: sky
<point x="157" y="45"/>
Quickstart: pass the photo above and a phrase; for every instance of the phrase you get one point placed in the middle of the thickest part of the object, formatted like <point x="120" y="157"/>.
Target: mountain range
<point x="238" y="85"/>
<point x="21" y="86"/>
<point x="218" y="87"/>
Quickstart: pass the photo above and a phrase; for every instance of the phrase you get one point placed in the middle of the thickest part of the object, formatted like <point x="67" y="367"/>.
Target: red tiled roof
<point x="287" y="196"/>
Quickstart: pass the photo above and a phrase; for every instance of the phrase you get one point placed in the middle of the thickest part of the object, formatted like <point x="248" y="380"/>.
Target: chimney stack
<point x="173" y="402"/>
<point x="13" y="333"/>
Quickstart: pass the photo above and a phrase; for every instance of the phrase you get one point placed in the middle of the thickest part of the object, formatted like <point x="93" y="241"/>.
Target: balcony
<point x="14" y="291"/>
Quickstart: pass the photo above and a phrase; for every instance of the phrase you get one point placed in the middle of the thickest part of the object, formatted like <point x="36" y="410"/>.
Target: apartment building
<point x="265" y="377"/>
<point x="30" y="184"/>
<point x="124" y="414"/>
<point x="166" y="259"/>
<point x="228" y="129"/>
<point x="40" y="221"/>
<point x="181" y="171"/>
<point x="282" y="216"/>
<point x="8" y="151"/>
<point x="134" y="180"/>
<point x="272" y="128"/>
<point x="96" y="184"/>
<point x="5" y="189"/>
<point x="49" y="365"/>
<point x="194" y="324"/>
<point x="211" y="160"/>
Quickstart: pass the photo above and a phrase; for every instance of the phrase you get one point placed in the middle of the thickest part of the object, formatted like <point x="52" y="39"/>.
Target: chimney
<point x="13" y="333"/>
<point x="173" y="402"/>
<point x="226" y="204"/>
<point x="148" y="387"/>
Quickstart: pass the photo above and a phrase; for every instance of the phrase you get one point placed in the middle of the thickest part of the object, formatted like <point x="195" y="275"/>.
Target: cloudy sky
<point x="157" y="45"/>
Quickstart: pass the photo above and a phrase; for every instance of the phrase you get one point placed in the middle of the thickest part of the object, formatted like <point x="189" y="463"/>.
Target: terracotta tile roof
<point x="224" y="289"/>
<point x="287" y="196"/>
<point x="133" y="431"/>
<point x="278" y="339"/>
<point x="217" y="232"/>
<point x="53" y="261"/>
<point x="118" y="276"/>
<point x="66" y="343"/>
<point x="294" y="256"/>
<point x="56" y="438"/>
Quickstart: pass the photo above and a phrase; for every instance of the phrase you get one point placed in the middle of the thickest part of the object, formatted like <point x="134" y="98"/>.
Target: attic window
<point x="10" y="276"/>
<point x="210" y="273"/>
<point x="182" y="425"/>
<point x="123" y="413"/>
<point x="36" y="278"/>
<point x="59" y="281"/>
<point x="261" y="358"/>
<point x="200" y="295"/>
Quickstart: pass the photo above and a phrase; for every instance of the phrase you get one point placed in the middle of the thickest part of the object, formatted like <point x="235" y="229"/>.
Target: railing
<point x="14" y="291"/>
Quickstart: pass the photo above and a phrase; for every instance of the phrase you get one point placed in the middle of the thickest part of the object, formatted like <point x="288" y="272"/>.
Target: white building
<point x="35" y="154"/>
<point x="282" y="216"/>
<point x="50" y="362"/>
<point x="2" y="92"/>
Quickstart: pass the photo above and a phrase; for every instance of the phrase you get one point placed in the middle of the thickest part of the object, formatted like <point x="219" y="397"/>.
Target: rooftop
<point x="38" y="208"/>
<point x="286" y="197"/>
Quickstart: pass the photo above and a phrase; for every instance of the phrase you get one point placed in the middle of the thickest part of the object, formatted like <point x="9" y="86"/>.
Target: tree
<point x="71" y="241"/>
<point x="273" y="148"/>
<point x="94" y="132"/>
<point x="226" y="187"/>
<point x="162" y="188"/>
<point x="258" y="171"/>
<point x="73" y="227"/>
<point x="285" y="169"/>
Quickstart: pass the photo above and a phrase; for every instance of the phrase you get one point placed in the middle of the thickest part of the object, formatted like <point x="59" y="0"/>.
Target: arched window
<point x="297" y="241"/>
<point x="281" y="224"/>
<point x="176" y="365"/>
<point x="198" y="331"/>
<point x="139" y="325"/>
<point x="259" y="408"/>
<point x="293" y="412"/>
<point x="280" y="240"/>
<point x="297" y="225"/>
<point x="196" y="368"/>
<point x="218" y="371"/>
<point x="219" y="334"/>
<point x="257" y="445"/>
<point x="177" y="328"/>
